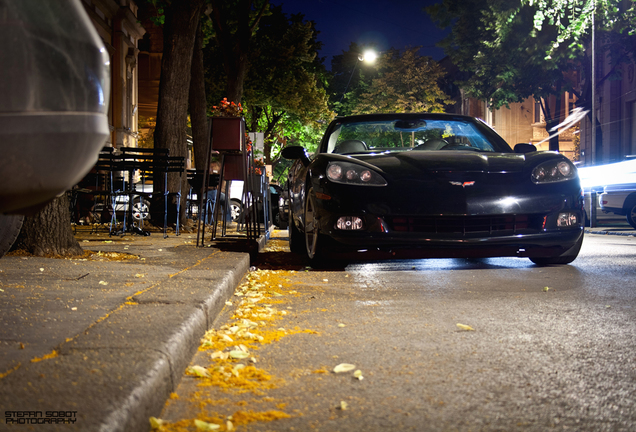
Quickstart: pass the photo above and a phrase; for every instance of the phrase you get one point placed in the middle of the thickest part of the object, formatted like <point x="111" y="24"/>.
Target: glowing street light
<point x="368" y="56"/>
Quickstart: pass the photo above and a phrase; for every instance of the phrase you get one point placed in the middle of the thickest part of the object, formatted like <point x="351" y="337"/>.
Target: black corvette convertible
<point x="390" y="186"/>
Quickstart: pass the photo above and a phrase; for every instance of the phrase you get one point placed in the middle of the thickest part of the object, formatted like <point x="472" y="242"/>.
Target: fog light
<point x="349" y="223"/>
<point x="565" y="220"/>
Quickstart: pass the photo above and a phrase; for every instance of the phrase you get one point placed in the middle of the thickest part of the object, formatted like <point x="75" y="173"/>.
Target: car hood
<point x="453" y="182"/>
<point x="404" y="164"/>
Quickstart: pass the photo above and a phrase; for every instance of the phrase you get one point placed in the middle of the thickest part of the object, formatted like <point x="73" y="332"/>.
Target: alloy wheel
<point x="140" y="210"/>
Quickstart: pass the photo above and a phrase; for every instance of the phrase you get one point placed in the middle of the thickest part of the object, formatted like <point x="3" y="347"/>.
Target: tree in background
<point x="506" y="55"/>
<point x="197" y="101"/>
<point x="283" y="92"/>
<point x="614" y="27"/>
<point x="527" y="48"/>
<point x="180" y="24"/>
<point x="235" y="24"/>
<point x="232" y="25"/>
<point x="397" y="81"/>
<point x="350" y="76"/>
<point x="406" y="82"/>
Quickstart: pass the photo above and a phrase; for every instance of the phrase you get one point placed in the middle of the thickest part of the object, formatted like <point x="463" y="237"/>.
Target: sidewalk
<point x="99" y="344"/>
<point x="621" y="230"/>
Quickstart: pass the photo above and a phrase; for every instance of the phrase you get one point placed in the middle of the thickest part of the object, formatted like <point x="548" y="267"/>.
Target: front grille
<point x="467" y="225"/>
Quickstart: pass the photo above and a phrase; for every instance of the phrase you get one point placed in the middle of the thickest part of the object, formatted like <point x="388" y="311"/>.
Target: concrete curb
<point x="610" y="231"/>
<point x="150" y="394"/>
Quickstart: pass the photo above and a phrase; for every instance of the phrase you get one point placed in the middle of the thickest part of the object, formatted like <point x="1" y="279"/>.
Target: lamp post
<point x="593" y="195"/>
<point x="368" y="56"/>
<point x="594" y="155"/>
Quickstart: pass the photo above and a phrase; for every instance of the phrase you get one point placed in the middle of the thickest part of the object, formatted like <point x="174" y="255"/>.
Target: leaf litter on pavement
<point x="233" y="365"/>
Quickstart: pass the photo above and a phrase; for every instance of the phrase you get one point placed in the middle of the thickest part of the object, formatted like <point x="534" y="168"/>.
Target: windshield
<point x="411" y="134"/>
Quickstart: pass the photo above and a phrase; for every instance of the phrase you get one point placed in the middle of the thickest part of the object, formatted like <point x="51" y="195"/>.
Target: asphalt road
<point x="552" y="348"/>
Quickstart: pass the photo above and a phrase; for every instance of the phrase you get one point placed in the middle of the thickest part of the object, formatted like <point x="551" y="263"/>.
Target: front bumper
<point x="399" y="245"/>
<point x="480" y="226"/>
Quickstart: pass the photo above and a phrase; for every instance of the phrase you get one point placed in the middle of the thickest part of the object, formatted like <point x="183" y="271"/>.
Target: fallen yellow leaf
<point x="465" y="327"/>
<point x="344" y="367"/>
<point x="155" y="423"/>
<point x="205" y="426"/>
<point x="238" y="354"/>
<point x="199" y="371"/>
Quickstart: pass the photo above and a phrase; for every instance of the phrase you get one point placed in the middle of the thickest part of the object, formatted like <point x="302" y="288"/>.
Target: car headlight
<point x="353" y="174"/>
<point x="554" y="171"/>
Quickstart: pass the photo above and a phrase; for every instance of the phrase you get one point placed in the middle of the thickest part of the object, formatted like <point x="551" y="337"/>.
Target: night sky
<point x="382" y="23"/>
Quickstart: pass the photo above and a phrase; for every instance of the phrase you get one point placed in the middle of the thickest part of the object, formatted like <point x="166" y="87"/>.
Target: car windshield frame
<point x="381" y="133"/>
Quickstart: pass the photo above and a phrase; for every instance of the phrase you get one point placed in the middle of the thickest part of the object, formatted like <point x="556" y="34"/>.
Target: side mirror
<point x="296" y="152"/>
<point x="525" y="148"/>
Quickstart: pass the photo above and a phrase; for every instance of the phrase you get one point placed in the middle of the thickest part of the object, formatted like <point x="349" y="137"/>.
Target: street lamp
<point x="368" y="56"/>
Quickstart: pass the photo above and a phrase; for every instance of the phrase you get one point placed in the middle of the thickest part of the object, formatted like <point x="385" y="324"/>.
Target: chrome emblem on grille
<point x="468" y="183"/>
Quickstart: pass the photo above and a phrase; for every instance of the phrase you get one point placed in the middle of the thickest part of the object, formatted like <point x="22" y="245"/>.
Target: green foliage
<point x="284" y="94"/>
<point x="159" y="19"/>
<point x="294" y="132"/>
<point x="398" y="81"/>
<point x="349" y="78"/>
<point x="146" y="132"/>
<point x="516" y="49"/>
<point x="407" y="82"/>
<point x="573" y="19"/>
<point x="503" y="45"/>
<point x="285" y="73"/>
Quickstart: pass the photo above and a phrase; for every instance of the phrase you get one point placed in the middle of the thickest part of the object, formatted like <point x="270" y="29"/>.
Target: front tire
<point x="10" y="226"/>
<point x="313" y="239"/>
<point x="296" y="238"/>
<point x="566" y="258"/>
<point x="631" y="215"/>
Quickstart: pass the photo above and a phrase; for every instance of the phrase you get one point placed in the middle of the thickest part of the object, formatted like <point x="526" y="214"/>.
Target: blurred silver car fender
<point x="55" y="89"/>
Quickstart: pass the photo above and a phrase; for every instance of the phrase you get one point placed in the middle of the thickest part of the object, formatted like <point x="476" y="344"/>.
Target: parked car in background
<point x="283" y="208"/>
<point x="431" y="185"/>
<point x="615" y="184"/>
<point x="275" y="194"/>
<point x="620" y="199"/>
<point x="90" y="206"/>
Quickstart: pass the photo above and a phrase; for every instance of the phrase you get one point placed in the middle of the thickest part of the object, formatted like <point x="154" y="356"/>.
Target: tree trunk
<point x="551" y="122"/>
<point x="554" y="141"/>
<point x="182" y="20"/>
<point x="256" y="112"/>
<point x="269" y="136"/>
<point x="198" y="104"/>
<point x="49" y="231"/>
<point x="236" y="78"/>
